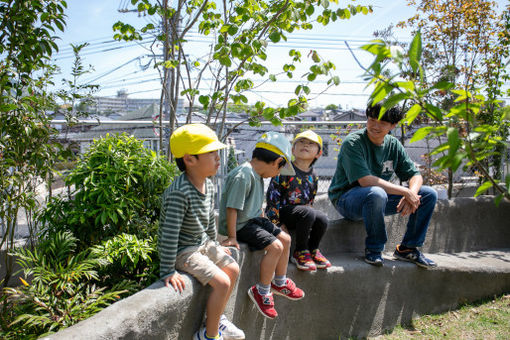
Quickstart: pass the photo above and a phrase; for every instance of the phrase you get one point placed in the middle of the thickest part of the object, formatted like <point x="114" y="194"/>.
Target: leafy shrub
<point x="129" y="258"/>
<point x="117" y="188"/>
<point x="62" y="291"/>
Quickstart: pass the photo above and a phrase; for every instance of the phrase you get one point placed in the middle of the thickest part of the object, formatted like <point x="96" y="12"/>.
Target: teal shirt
<point x="243" y="190"/>
<point x="359" y="157"/>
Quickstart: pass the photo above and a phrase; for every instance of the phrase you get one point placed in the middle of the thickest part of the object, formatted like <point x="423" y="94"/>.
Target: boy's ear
<point x="319" y="154"/>
<point x="188" y="159"/>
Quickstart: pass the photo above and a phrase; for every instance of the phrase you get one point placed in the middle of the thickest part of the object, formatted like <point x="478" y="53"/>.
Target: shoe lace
<point x="304" y="256"/>
<point x="317" y="255"/>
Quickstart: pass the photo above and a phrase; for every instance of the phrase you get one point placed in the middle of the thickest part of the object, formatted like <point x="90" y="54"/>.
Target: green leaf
<point x="421" y="133"/>
<point x="408" y="85"/>
<point x="498" y="199"/>
<point x="415" y="50"/>
<point x="380" y="92"/>
<point x="275" y="37"/>
<point x="483" y="188"/>
<point x="413" y="112"/>
<point x="394" y="100"/>
<point x="434" y="112"/>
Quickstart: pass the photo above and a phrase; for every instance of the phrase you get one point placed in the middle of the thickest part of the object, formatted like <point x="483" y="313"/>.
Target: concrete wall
<point x="467" y="238"/>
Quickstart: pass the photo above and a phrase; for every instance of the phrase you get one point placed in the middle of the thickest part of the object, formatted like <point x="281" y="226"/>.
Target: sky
<point x="127" y="65"/>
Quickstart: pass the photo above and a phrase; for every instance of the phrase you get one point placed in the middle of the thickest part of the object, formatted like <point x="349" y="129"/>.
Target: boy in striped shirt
<point x="187" y="230"/>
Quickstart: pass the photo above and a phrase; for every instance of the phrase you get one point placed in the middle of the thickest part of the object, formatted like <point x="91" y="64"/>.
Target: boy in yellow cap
<point x="187" y="230"/>
<point x="241" y="218"/>
<point x="289" y="202"/>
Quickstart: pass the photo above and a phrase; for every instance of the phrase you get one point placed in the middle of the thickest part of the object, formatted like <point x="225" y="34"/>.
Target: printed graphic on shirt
<point x="290" y="190"/>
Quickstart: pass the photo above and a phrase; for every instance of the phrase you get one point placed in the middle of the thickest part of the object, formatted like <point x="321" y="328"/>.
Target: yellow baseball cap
<point x="310" y="135"/>
<point x="277" y="143"/>
<point x="194" y="139"/>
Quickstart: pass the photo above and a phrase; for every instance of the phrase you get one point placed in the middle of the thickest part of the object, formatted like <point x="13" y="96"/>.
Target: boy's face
<point x="306" y="149"/>
<point x="206" y="164"/>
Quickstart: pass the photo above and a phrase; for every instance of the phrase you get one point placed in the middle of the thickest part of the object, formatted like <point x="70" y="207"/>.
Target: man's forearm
<point x="390" y="188"/>
<point x="415" y="183"/>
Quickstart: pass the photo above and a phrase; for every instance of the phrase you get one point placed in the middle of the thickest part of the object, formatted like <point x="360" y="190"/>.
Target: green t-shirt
<point x="359" y="157"/>
<point x="243" y="190"/>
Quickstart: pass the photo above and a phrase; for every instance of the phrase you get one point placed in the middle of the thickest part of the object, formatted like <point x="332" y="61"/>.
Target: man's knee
<point x="428" y="194"/>
<point x="377" y="196"/>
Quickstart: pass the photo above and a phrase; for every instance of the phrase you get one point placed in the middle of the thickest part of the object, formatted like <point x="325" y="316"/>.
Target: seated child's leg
<point x="318" y="230"/>
<point x="232" y="271"/>
<point x="216" y="302"/>
<point x="281" y="267"/>
<point x="261" y="234"/>
<point x="270" y="261"/>
<point x="204" y="264"/>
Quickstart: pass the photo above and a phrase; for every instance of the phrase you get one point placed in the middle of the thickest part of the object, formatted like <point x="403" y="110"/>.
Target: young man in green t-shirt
<point x="362" y="188"/>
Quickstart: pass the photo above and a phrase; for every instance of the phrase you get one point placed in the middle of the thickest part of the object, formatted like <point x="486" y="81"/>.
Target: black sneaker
<point x="374" y="258"/>
<point x="415" y="256"/>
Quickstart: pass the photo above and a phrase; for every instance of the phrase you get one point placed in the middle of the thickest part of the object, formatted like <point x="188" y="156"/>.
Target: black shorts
<point x="258" y="233"/>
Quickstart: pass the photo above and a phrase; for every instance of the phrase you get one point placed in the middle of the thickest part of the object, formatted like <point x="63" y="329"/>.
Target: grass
<point x="487" y="320"/>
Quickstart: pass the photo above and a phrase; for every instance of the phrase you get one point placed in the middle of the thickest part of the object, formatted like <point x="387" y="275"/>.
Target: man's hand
<point x="409" y="203"/>
<point x="412" y="198"/>
<point x="230" y="242"/>
<point x="177" y="281"/>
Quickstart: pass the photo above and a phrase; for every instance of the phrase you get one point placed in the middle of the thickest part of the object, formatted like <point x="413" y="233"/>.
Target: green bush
<point x="117" y="189"/>
<point x="129" y="258"/>
<point x="62" y="291"/>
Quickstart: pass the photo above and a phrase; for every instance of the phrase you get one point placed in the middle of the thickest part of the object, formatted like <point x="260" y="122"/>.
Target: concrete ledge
<point x="349" y="299"/>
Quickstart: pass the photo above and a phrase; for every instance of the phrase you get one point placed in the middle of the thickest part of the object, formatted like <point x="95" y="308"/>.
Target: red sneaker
<point x="290" y="291"/>
<point x="320" y="261"/>
<point x="264" y="303"/>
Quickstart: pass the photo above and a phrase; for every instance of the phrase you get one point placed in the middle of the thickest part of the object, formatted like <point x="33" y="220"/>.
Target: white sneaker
<point x="201" y="335"/>
<point x="229" y="331"/>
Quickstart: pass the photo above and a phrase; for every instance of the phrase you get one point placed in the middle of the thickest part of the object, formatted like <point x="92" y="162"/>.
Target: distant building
<point x="122" y="104"/>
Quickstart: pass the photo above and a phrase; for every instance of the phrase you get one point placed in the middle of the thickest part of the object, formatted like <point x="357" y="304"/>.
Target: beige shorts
<point x="203" y="262"/>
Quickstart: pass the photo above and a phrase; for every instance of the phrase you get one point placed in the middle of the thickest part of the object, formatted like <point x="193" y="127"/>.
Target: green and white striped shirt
<point x="187" y="219"/>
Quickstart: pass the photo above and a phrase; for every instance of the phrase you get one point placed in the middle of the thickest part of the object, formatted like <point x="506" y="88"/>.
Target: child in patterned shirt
<point x="289" y="202"/>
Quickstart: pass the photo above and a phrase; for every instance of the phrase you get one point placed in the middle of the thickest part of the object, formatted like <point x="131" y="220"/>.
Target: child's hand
<point x="177" y="281"/>
<point x="227" y="250"/>
<point x="230" y="242"/>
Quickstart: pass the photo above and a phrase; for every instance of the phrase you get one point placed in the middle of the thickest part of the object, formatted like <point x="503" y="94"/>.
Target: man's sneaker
<point x="320" y="261"/>
<point x="264" y="303"/>
<point x="289" y="290"/>
<point x="201" y="335"/>
<point x="303" y="260"/>
<point x="374" y="258"/>
<point x="229" y="331"/>
<point x="415" y="256"/>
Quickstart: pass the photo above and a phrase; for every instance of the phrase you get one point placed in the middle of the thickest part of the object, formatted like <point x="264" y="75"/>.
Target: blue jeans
<point x="371" y="204"/>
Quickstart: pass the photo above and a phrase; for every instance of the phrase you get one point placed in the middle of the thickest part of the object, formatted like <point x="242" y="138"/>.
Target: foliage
<point x="26" y="151"/>
<point x="76" y="97"/>
<point x="129" y="258"/>
<point x="62" y="291"/>
<point x="231" y="160"/>
<point x="460" y="46"/>
<point x="117" y="188"/>
<point x="241" y="32"/>
<point x="472" y="144"/>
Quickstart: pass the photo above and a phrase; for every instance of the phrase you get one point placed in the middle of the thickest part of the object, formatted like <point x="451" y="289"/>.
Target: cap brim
<point x="216" y="145"/>
<point x="287" y="170"/>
